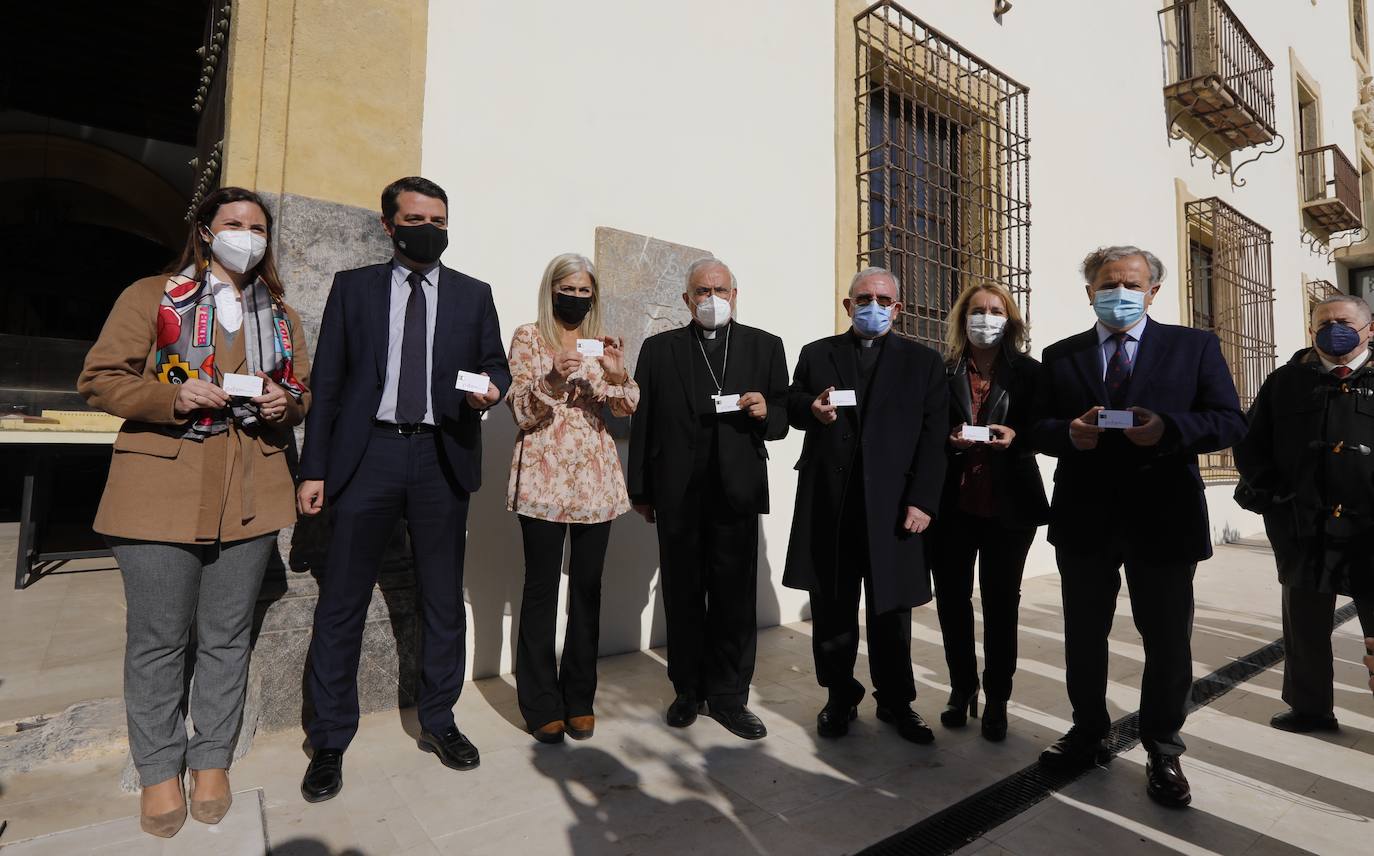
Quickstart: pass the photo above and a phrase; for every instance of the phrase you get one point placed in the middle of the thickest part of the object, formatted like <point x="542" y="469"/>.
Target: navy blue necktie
<point x="410" y="387"/>
<point x="1118" y="372"/>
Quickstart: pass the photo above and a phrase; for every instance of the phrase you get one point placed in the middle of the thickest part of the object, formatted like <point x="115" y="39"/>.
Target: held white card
<point x="1115" y="419"/>
<point x="469" y="382"/>
<point x="977" y="433"/>
<point x="843" y="398"/>
<point x="727" y="403"/>
<point x="591" y="347"/>
<point x="243" y="385"/>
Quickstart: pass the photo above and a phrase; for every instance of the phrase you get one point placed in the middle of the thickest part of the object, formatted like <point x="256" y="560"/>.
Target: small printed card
<point x="591" y="347"/>
<point x="243" y="385"/>
<point x="1115" y="419"/>
<point x="727" y="403"/>
<point x="977" y="433"/>
<point x="843" y="398"/>
<point x="469" y="382"/>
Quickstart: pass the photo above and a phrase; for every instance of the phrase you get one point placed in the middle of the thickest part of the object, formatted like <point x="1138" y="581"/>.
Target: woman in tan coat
<point x="208" y="366"/>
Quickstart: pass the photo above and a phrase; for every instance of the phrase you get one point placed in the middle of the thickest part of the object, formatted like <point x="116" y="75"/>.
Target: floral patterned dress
<point x="565" y="468"/>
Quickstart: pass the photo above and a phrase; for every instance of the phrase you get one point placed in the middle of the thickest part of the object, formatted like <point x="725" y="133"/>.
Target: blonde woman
<point x="992" y="503"/>
<point x="566" y="485"/>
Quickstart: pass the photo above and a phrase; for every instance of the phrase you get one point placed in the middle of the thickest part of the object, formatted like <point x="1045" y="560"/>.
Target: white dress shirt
<point x="1352" y="365"/>
<point x="396" y="326"/>
<point x="1107" y="348"/>
<point x="228" y="304"/>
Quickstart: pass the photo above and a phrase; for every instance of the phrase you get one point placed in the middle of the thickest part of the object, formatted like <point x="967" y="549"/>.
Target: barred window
<point x="1230" y="292"/>
<point x="943" y="178"/>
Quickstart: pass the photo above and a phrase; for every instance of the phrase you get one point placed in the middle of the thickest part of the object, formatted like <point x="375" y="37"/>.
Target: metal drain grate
<point x="972" y="817"/>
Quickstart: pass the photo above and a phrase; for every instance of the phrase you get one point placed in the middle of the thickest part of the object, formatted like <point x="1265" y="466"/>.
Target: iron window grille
<point x="943" y="168"/>
<point x="1230" y="293"/>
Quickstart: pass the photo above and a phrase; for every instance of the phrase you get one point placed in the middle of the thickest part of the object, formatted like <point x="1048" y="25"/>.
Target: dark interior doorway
<point x="103" y="108"/>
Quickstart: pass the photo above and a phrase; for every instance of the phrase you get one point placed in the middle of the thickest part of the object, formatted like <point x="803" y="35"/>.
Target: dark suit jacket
<point x="1015" y="471"/>
<point x="664" y="430"/>
<point x="350" y="366"/>
<point x="901" y="426"/>
<point x="1152" y="497"/>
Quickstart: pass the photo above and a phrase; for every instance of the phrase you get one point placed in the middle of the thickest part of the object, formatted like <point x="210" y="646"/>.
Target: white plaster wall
<point x="707" y="123"/>
<point x="711" y="123"/>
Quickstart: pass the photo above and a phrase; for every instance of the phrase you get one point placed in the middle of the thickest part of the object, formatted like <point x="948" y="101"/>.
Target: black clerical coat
<point x="665" y="431"/>
<point x="900" y="424"/>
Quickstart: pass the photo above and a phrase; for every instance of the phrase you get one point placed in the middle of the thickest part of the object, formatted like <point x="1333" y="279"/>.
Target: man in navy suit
<point x="391" y="435"/>
<point x="1131" y="496"/>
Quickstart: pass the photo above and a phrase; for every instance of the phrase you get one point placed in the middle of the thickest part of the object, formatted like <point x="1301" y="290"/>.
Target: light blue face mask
<point x="872" y="321"/>
<point x="1119" y="307"/>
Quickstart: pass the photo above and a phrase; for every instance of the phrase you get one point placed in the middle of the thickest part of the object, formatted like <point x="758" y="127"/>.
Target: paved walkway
<point x="640" y="787"/>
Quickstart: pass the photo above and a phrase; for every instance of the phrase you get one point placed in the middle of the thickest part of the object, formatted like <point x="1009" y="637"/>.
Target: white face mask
<point x="713" y="313"/>
<point x="239" y="250"/>
<point x="985" y="330"/>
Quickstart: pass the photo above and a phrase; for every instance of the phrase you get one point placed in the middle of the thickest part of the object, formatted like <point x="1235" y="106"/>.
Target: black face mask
<point x="423" y="243"/>
<point x="570" y="308"/>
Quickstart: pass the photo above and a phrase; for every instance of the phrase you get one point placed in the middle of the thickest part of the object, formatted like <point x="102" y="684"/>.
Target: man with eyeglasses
<point x="874" y="409"/>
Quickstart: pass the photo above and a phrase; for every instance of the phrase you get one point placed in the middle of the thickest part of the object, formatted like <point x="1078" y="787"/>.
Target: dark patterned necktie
<point x="1118" y="372"/>
<point x="1341" y="372"/>
<point x="410" y="387"/>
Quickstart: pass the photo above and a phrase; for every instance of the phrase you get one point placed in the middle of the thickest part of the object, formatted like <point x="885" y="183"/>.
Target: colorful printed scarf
<point x="186" y="348"/>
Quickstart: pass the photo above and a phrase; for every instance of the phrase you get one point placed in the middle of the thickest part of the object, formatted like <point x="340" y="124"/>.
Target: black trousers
<point x="709" y="560"/>
<point x="399" y="476"/>
<point x="1162" y="606"/>
<point x="1000" y="553"/>
<point x="548" y="692"/>
<point x="1308" y="670"/>
<point x="835" y="626"/>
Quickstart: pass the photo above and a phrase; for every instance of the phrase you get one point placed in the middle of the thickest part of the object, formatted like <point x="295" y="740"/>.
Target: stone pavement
<point x="640" y="787"/>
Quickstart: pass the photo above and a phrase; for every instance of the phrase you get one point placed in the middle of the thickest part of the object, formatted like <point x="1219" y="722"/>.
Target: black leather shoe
<point x="683" y="711"/>
<point x="995" y="721"/>
<point x="739" y="721"/>
<point x="909" y="723"/>
<point x="1075" y="751"/>
<point x="961" y="707"/>
<point x="324" y="777"/>
<point x="834" y="719"/>
<point x="1303" y="723"/>
<point x="454" y="750"/>
<point x="1166" y="783"/>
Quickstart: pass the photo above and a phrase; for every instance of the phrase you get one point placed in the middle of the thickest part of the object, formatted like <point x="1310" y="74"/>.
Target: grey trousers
<point x="1309" y="667"/>
<point x="171" y="589"/>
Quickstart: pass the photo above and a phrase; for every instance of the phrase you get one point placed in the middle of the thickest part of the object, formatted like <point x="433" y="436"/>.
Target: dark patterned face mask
<point x="424" y="243"/>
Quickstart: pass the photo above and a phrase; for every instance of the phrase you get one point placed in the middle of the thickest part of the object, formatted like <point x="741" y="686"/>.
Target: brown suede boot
<point x="551" y="732"/>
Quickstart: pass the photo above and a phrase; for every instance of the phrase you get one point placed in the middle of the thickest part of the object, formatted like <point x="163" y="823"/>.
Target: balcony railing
<point x="1217" y="74"/>
<point x="1330" y="191"/>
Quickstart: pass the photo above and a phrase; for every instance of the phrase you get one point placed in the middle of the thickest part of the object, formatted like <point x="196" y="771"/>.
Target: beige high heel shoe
<point x="167" y="824"/>
<point x="210" y="811"/>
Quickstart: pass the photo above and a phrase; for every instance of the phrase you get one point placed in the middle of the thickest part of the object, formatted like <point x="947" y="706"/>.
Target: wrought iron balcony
<point x="1217" y="77"/>
<point x="1330" y="191"/>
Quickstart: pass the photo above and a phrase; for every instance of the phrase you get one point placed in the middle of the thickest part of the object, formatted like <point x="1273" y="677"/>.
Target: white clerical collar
<point x="1352" y="365"/>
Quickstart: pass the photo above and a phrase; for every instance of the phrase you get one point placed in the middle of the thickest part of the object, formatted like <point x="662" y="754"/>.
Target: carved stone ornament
<point x="1364" y="114"/>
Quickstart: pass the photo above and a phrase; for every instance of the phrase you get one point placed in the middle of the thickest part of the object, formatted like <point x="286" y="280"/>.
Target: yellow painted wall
<point x="325" y="99"/>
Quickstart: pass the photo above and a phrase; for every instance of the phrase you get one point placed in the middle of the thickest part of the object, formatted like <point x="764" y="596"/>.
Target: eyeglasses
<point x="865" y="299"/>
